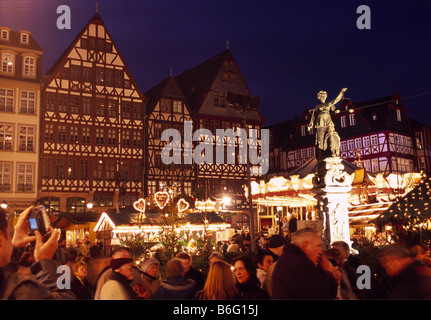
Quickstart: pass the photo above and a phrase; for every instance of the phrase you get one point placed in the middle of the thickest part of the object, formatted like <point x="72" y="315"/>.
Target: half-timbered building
<point x="167" y="108"/>
<point x="92" y="126"/>
<point x="206" y="87"/>
<point x="376" y="135"/>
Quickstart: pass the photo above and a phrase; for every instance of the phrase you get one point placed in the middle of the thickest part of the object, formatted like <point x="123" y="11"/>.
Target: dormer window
<point x="4" y="35"/>
<point x="24" y="38"/>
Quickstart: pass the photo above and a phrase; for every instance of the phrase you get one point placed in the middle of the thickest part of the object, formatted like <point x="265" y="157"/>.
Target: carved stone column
<point x="332" y="186"/>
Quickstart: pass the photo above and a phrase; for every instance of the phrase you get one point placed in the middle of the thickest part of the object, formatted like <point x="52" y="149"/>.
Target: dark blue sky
<point x="287" y="50"/>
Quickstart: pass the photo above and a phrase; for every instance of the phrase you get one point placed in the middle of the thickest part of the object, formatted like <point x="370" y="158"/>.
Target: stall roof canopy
<point x="310" y="167"/>
<point x="63" y="219"/>
<point x="413" y="208"/>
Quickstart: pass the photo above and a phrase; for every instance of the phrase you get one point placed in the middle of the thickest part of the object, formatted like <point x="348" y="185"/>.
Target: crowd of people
<point x="294" y="267"/>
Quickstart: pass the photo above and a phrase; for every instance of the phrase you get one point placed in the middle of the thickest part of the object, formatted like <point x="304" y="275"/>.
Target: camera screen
<point x="32" y="223"/>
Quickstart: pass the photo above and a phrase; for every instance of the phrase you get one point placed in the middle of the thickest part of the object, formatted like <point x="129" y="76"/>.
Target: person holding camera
<point x="42" y="284"/>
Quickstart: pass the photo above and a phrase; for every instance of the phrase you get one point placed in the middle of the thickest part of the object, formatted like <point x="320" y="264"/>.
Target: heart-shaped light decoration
<point x="182" y="205"/>
<point x="162" y="199"/>
<point x="139" y="205"/>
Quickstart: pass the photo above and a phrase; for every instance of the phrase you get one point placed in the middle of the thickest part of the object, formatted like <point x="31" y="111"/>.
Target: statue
<point x="327" y="139"/>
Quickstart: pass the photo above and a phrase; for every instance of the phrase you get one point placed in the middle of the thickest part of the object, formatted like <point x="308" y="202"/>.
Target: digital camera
<point x="38" y="220"/>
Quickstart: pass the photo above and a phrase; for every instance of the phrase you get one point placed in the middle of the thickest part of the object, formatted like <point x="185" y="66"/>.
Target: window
<point x="110" y="170"/>
<point x="52" y="203"/>
<point x="50" y="101"/>
<point x="75" y="205"/>
<point x="71" y="169"/>
<point x="375" y="165"/>
<point x="112" y="137"/>
<point x="6" y="136"/>
<point x="125" y="139"/>
<point x="46" y="168"/>
<point x="374" y="140"/>
<point x="5" y="176"/>
<point x="112" y="109"/>
<point x="25" y="38"/>
<point x="158" y="129"/>
<point x="119" y="78"/>
<point x="84" y="170"/>
<point x="27" y="102"/>
<point x="75" y="72"/>
<point x="7" y="62"/>
<point x="103" y="200"/>
<point x="6" y="100"/>
<point x="343" y="121"/>
<point x="152" y="187"/>
<point x="97" y="170"/>
<point x="109" y="77"/>
<point x="61" y="133"/>
<point x="366" y="141"/>
<point x="137" y="138"/>
<point x="49" y="132"/>
<point x="4" y="35"/>
<point x="74" y="138"/>
<point x="86" y="74"/>
<point x="219" y="99"/>
<point x="398" y="115"/>
<point x="25" y="177"/>
<point x="125" y="110"/>
<point x="343" y="146"/>
<point x="59" y="168"/>
<point x="137" y="111"/>
<point x="86" y="135"/>
<point x="352" y="119"/>
<point x="419" y="140"/>
<point x="100" y="136"/>
<point x="177" y="106"/>
<point x="165" y="105"/>
<point x="135" y="171"/>
<point x="74" y="104"/>
<point x="62" y="103"/>
<point x="358" y="143"/>
<point x="350" y="145"/>
<point x="100" y="107"/>
<point x="100" y="76"/>
<point x="29" y="69"/>
<point x="86" y="105"/>
<point x="303" y="131"/>
<point x="26" y="138"/>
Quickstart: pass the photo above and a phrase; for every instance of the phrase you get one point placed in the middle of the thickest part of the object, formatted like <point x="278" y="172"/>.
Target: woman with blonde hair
<point x="220" y="283"/>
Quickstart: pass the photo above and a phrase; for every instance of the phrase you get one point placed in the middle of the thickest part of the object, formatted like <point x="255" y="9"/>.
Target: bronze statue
<point x="327" y="139"/>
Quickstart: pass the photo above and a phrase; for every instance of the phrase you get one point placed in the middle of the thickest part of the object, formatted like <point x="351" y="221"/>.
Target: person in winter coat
<point x="42" y="283"/>
<point x="82" y="289"/>
<point x="118" y="286"/>
<point x="149" y="270"/>
<point x="190" y="272"/>
<point x="302" y="272"/>
<point x="263" y="261"/>
<point x="176" y="286"/>
<point x="247" y="283"/>
<point x="410" y="279"/>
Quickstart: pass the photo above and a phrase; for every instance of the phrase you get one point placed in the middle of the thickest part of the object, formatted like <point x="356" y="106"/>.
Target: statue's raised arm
<point x="338" y="98"/>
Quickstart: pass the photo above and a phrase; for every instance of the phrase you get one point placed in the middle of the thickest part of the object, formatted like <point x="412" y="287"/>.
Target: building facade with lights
<point x="20" y="92"/>
<point x="92" y="122"/>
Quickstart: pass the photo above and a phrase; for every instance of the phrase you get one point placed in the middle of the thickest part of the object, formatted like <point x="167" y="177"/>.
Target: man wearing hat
<point x="118" y="286"/>
<point x="275" y="246"/>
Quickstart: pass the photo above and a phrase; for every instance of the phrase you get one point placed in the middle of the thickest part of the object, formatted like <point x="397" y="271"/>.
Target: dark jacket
<point x="197" y="277"/>
<point x="251" y="291"/>
<point x="176" y="288"/>
<point x="297" y="277"/>
<point x="82" y="290"/>
<point x="42" y="285"/>
<point x="414" y="282"/>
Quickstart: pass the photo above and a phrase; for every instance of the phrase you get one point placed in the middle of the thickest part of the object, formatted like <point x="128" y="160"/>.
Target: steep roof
<point x="168" y="88"/>
<point x="196" y="82"/>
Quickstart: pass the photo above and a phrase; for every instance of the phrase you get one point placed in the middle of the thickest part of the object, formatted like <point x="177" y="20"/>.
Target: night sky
<point x="287" y="50"/>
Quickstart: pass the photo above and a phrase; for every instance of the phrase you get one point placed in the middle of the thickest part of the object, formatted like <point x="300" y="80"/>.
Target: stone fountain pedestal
<point x="332" y="186"/>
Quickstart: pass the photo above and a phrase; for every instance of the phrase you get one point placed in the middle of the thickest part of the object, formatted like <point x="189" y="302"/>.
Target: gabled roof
<point x="196" y="82"/>
<point x="94" y="19"/>
<point x="168" y="88"/>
